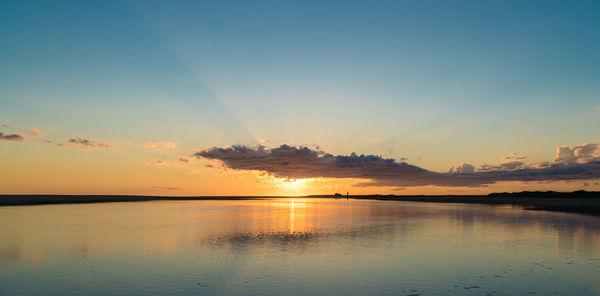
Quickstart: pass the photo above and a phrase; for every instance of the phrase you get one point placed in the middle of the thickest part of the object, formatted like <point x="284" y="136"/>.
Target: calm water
<point x="296" y="247"/>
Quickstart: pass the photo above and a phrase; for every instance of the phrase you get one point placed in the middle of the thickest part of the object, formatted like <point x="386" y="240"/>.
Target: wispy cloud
<point x="12" y="137"/>
<point x="165" y="187"/>
<point x="513" y="156"/>
<point x="156" y="162"/>
<point x="85" y="143"/>
<point x="579" y="163"/>
<point x="159" y="145"/>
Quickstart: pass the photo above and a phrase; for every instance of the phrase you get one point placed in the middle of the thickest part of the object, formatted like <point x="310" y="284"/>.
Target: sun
<point x="290" y="186"/>
<point x="296" y="183"/>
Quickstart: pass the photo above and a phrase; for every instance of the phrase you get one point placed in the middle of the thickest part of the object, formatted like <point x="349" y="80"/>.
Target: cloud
<point x="34" y="132"/>
<point x="464" y="168"/>
<point x="85" y="143"/>
<point x="302" y="162"/>
<point x="513" y="156"/>
<point x="165" y="188"/>
<point x="580" y="154"/>
<point x="157" y="162"/>
<point x="261" y="140"/>
<point x="506" y="166"/>
<point x="12" y="137"/>
<point x="159" y="145"/>
<point x="184" y="159"/>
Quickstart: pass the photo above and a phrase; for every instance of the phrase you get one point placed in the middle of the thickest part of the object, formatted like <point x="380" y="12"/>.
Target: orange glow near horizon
<point x="33" y="169"/>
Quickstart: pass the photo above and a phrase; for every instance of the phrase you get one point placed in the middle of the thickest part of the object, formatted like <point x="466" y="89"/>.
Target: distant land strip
<point x="576" y="202"/>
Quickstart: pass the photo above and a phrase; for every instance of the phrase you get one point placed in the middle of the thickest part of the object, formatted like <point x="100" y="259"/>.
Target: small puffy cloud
<point x="4" y="124"/>
<point x="184" y="159"/>
<point x="12" y="137"/>
<point x="587" y="152"/>
<point x="579" y="154"/>
<point x="564" y="155"/>
<point x="302" y="162"/>
<point x="463" y="168"/>
<point x="85" y="143"/>
<point x="34" y="132"/>
<point x="159" y="145"/>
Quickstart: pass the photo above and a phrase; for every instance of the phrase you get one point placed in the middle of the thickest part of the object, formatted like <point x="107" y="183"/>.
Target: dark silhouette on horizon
<point x="580" y="201"/>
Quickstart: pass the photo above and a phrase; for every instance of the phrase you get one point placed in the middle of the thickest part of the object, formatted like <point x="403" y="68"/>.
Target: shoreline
<point x="573" y="202"/>
<point x="589" y="206"/>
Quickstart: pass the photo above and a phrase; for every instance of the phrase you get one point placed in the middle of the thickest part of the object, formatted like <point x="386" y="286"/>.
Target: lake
<point x="296" y="246"/>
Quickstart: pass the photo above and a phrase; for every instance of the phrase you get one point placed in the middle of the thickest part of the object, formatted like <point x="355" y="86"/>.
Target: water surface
<point x="296" y="247"/>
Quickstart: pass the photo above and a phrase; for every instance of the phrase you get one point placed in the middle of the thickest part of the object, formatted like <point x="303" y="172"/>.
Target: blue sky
<point x="437" y="82"/>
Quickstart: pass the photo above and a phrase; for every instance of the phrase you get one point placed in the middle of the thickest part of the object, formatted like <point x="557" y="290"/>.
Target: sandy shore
<point x="576" y="202"/>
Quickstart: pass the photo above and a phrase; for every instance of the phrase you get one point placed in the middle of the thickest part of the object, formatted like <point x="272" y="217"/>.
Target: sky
<point x="299" y="97"/>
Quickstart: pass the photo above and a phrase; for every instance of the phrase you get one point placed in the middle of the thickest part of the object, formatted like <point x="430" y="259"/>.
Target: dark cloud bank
<point x="580" y="163"/>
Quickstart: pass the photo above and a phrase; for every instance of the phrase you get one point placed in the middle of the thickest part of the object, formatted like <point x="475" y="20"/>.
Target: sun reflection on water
<point x="292" y="206"/>
<point x="343" y="240"/>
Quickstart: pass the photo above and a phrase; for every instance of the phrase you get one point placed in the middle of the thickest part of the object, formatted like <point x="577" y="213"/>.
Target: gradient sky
<point x="434" y="84"/>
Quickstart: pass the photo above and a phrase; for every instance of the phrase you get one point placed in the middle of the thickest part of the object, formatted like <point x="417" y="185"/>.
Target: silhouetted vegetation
<point x="578" y="201"/>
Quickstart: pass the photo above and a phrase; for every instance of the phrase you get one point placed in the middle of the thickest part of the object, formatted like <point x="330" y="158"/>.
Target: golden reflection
<point x="40" y="233"/>
<point x="292" y="206"/>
